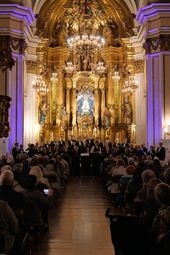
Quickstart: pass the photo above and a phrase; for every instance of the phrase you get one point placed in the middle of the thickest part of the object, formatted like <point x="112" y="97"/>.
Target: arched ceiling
<point x="58" y="16"/>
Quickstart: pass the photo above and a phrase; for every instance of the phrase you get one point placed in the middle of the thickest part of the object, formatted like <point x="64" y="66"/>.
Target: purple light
<point x="154" y="99"/>
<point x="4" y="28"/>
<point x="16" y="109"/>
<point x="149" y="104"/>
<point x="157" y="53"/>
<point x="18" y="11"/>
<point x="151" y="10"/>
<point x="155" y="30"/>
<point x="20" y="100"/>
<point x="16" y="31"/>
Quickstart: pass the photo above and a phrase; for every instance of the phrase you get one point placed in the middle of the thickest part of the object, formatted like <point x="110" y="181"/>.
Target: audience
<point x="8" y="227"/>
<point x="140" y="180"/>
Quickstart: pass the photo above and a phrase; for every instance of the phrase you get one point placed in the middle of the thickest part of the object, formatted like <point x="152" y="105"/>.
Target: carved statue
<point x="127" y="111"/>
<point x="43" y="110"/>
<point x="85" y="106"/>
<point x="107" y="118"/>
<point x="64" y="117"/>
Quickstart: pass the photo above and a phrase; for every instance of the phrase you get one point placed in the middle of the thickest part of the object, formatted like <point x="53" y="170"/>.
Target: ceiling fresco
<point x="68" y="17"/>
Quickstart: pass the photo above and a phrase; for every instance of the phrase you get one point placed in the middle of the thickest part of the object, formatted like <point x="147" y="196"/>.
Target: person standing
<point x="161" y="152"/>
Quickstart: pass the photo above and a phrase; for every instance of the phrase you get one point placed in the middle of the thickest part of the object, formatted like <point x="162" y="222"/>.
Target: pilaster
<point x="155" y="30"/>
<point x="15" y="21"/>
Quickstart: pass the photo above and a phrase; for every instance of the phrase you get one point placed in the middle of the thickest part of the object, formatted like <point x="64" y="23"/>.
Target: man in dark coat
<point x="161" y="152"/>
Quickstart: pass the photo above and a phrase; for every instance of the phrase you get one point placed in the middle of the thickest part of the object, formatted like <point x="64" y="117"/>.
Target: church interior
<point x="84" y="70"/>
<point x="85" y="126"/>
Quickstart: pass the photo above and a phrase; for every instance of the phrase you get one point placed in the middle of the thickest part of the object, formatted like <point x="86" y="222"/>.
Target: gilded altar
<point x="87" y="76"/>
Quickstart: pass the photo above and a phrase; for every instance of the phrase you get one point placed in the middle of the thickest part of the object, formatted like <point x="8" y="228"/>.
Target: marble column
<point x="17" y="20"/>
<point x="74" y="106"/>
<point x="102" y="86"/>
<point x="60" y="88"/>
<point x="68" y="106"/>
<point x="111" y="89"/>
<point x="96" y="110"/>
<point x="117" y="105"/>
<point x="54" y="85"/>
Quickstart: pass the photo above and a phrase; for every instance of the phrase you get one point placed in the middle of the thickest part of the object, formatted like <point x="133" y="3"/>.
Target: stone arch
<point x="130" y="3"/>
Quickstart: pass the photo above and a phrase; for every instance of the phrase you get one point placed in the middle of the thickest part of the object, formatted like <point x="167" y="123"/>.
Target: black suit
<point x="161" y="153"/>
<point x="13" y="198"/>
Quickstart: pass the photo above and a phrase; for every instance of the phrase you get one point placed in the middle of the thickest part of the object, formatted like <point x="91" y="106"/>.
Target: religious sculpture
<point x="43" y="110"/>
<point x="85" y="106"/>
<point x="64" y="117"/>
<point x="107" y="118"/>
<point x="127" y="111"/>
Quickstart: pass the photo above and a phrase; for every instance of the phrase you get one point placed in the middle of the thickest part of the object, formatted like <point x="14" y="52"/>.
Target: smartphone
<point x="45" y="191"/>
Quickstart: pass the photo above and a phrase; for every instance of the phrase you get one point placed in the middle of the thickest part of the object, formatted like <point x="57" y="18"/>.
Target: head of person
<point x="6" y="178"/>
<point x="130" y="169"/>
<point x="165" y="221"/>
<point x="147" y="175"/>
<point x="152" y="183"/>
<point x="167" y="175"/>
<point x="162" y="194"/>
<point x="120" y="162"/>
<point x="29" y="182"/>
<point x="16" y="145"/>
<point x="160" y="144"/>
<point x="36" y="171"/>
<point x="6" y="167"/>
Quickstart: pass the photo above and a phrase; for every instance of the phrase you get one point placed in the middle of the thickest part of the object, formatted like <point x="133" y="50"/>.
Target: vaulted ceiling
<point x="56" y="16"/>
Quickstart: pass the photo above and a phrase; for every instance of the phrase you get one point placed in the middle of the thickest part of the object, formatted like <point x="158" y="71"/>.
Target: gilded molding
<point x="139" y="66"/>
<point x="31" y="66"/>
<point x="161" y="43"/>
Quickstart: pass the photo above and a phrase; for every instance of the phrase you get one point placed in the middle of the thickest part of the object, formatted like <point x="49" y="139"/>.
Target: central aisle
<point x="77" y="222"/>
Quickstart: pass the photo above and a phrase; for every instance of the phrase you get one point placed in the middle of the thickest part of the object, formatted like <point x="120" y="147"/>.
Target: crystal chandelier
<point x="100" y="68"/>
<point x="85" y="41"/>
<point x="39" y="85"/>
<point x="69" y="68"/>
<point x="54" y="77"/>
<point x="116" y="76"/>
<point x="130" y="84"/>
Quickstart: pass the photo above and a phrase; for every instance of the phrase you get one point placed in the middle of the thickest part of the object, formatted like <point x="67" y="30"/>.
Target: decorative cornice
<point x="161" y="43"/>
<point x="7" y="46"/>
<point x="139" y="66"/>
<point x="20" y="12"/>
<point x="31" y="66"/>
<point x="148" y="12"/>
<point x="19" y="20"/>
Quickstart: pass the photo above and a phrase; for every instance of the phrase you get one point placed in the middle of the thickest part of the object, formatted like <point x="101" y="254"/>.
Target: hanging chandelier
<point x="100" y="68"/>
<point x="116" y="76"/>
<point x="54" y="77"/>
<point x="39" y="85"/>
<point x="130" y="84"/>
<point x="70" y="68"/>
<point x="85" y="41"/>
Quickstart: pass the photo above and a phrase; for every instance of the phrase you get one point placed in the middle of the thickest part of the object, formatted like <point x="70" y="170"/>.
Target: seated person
<point x="13" y="198"/>
<point x="8" y="227"/>
<point x="36" y="205"/>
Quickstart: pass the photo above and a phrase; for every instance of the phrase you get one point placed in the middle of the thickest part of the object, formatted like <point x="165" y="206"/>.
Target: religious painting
<point x="85" y="103"/>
